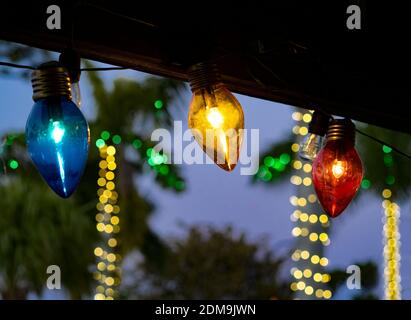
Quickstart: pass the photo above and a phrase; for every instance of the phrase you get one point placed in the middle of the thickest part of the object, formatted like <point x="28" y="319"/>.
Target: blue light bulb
<point x="57" y="137"/>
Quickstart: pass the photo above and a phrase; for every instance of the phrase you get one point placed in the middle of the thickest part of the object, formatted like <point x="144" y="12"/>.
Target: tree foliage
<point x="211" y="263"/>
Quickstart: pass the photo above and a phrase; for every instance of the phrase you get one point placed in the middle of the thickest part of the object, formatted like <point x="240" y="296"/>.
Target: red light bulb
<point x="337" y="170"/>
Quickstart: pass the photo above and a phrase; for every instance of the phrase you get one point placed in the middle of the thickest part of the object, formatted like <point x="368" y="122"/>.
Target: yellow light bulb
<point x="215" y="117"/>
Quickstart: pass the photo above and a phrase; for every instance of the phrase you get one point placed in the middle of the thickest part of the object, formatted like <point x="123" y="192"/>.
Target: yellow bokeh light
<point x="307" y="181"/>
<point x="110" y="185"/>
<point x="297" y="164"/>
<point x="112" y="242"/>
<point x="111" y="257"/>
<point x="323" y="237"/>
<point x="317" y="277"/>
<point x="102" y="199"/>
<point x="296" y="180"/>
<point x="110" y="159"/>
<point x="99" y="217"/>
<point x="309" y="290"/>
<point x="304" y="232"/>
<point x="303" y="131"/>
<point x="293" y="200"/>
<point x="99" y="296"/>
<point x="98" y="251"/>
<point x="100" y="227"/>
<point x="101" y="182"/>
<point x="114" y="220"/>
<point x="101" y="266"/>
<point x="108" y="208"/>
<point x="307" y="117"/>
<point x="304" y="217"/>
<point x="326" y="278"/>
<point x="112" y="166"/>
<point x="295" y="147"/>
<point x="324" y="262"/>
<point x="109" y="281"/>
<point x="116" y="209"/>
<point x="307" y="168"/>
<point x="110" y="175"/>
<point x="111" y="151"/>
<point x="302" y="202"/>
<point x="313" y="237"/>
<point x="103" y="164"/>
<point x="298" y="274"/>
<point x="296" y="232"/>
<point x="108" y="228"/>
<point x="312" y="198"/>
<point x="305" y="254"/>
<point x="313" y="218"/>
<point x="319" y="293"/>
<point x="323" y="218"/>
<point x="293" y="286"/>
<point x="307" y="273"/>
<point x="387" y="193"/>
<point x="315" y="259"/>
<point x="300" y="285"/>
<point x="297" y="116"/>
<point x="327" y="294"/>
<point x="296" y="129"/>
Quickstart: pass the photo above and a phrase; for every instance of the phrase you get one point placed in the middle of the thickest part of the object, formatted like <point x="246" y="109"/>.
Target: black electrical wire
<point x="14" y="65"/>
<point x="104" y="69"/>
<point x="20" y="66"/>
<point x="384" y="143"/>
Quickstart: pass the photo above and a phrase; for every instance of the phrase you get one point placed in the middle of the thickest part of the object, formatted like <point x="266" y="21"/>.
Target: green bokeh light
<point x="149" y="152"/>
<point x="390" y="180"/>
<point x="105" y="135"/>
<point x="386" y="149"/>
<point x="388" y="160"/>
<point x="285" y="158"/>
<point x="158" y="104"/>
<point x="116" y="139"/>
<point x="137" y="143"/>
<point x="100" y="143"/>
<point x="269" y="161"/>
<point x="180" y="185"/>
<point x="164" y="170"/>
<point x="365" y="184"/>
<point x="13" y="164"/>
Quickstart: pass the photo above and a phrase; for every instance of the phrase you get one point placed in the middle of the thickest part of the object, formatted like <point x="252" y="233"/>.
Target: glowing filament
<point x="338" y="168"/>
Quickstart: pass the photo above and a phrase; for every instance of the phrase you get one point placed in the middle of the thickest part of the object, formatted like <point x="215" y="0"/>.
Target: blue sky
<point x="220" y="198"/>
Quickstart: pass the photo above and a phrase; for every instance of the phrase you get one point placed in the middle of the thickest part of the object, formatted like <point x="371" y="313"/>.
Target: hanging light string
<point x="21" y="66"/>
<point x="391" y="233"/>
<point x="108" y="273"/>
<point x="310" y="280"/>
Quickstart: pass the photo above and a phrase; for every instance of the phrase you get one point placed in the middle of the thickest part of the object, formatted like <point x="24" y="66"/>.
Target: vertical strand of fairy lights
<point x="308" y="271"/>
<point x="391" y="232"/>
<point x="108" y="273"/>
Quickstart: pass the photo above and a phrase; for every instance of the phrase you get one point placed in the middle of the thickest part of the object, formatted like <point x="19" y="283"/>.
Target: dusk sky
<point x="219" y="198"/>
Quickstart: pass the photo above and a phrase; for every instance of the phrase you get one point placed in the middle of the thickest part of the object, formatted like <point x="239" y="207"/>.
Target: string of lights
<point x="21" y="66"/>
<point x="310" y="279"/>
<point x="391" y="233"/>
<point x="108" y="273"/>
